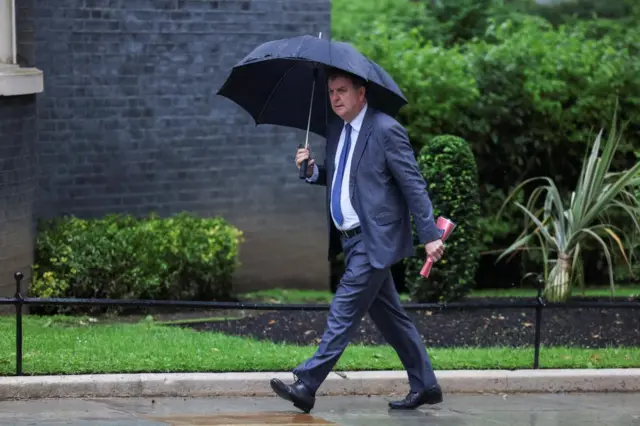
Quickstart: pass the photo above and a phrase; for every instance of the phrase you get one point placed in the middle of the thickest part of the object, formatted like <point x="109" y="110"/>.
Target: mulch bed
<point x="587" y="328"/>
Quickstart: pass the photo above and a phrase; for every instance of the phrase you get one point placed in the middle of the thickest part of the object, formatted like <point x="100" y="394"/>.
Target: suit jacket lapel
<point x="361" y="143"/>
<point x="332" y="141"/>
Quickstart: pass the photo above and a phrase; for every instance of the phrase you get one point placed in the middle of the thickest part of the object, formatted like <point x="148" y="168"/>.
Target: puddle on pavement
<point x="237" y="419"/>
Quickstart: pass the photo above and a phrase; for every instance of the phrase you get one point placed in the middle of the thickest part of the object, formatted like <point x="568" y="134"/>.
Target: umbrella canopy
<point x="275" y="82"/>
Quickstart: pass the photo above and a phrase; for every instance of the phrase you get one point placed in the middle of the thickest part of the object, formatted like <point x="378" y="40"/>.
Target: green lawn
<point x="317" y="296"/>
<point x="75" y="345"/>
<point x="280" y="295"/>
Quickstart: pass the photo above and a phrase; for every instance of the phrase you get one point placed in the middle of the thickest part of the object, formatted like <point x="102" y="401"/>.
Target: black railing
<point x="538" y="303"/>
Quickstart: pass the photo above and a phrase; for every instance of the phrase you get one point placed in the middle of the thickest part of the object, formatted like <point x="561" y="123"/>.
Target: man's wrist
<point x="314" y="174"/>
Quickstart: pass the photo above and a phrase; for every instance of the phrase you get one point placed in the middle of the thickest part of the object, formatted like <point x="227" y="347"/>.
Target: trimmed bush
<point x="122" y="257"/>
<point x="448" y="165"/>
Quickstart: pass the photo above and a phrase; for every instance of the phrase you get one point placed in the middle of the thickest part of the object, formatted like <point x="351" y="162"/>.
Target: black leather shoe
<point x="415" y="399"/>
<point x="297" y="393"/>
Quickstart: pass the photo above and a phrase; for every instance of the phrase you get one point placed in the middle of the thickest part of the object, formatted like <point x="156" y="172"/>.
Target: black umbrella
<point x="275" y="82"/>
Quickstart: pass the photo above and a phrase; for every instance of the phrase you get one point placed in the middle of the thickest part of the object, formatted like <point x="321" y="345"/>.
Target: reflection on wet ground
<point x="457" y="410"/>
<point x="263" y="418"/>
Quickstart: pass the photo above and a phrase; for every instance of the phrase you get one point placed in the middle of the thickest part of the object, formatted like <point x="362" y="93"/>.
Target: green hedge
<point x="123" y="257"/>
<point x="525" y="94"/>
<point x="455" y="22"/>
<point x="448" y="165"/>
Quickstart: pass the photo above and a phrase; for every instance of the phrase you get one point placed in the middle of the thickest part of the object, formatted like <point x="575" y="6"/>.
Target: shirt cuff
<point x="314" y="176"/>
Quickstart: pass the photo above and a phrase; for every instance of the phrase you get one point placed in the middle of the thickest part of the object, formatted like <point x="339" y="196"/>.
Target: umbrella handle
<point x="303" y="169"/>
<point x="303" y="166"/>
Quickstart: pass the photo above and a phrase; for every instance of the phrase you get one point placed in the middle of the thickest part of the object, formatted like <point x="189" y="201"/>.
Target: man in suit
<point x="373" y="182"/>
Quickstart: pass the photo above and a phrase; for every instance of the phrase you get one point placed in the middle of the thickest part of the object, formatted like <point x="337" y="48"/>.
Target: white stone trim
<point x="15" y="80"/>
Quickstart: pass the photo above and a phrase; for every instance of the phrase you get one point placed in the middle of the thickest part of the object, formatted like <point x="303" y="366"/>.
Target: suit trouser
<point x="365" y="289"/>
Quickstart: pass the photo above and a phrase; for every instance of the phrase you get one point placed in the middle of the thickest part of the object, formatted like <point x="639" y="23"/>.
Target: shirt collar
<point x="356" y="123"/>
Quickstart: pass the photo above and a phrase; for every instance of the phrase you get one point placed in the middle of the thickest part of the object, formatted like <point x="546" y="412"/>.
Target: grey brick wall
<point x="129" y="122"/>
<point x="18" y="166"/>
<point x="17" y="188"/>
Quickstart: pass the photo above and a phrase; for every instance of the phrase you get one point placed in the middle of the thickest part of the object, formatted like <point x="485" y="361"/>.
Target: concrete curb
<point x="340" y="383"/>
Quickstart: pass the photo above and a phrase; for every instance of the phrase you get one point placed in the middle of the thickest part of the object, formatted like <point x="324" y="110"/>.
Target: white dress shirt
<point x="350" y="218"/>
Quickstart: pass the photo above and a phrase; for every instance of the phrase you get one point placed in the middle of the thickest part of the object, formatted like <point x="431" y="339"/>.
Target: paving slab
<point x="456" y="410"/>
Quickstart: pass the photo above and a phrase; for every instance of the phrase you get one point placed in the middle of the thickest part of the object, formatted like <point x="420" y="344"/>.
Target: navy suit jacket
<point x="385" y="187"/>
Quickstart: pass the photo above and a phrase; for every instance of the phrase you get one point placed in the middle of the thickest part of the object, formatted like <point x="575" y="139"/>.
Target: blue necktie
<point x="336" y="191"/>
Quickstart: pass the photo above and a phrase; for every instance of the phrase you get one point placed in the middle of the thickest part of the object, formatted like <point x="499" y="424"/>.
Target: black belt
<point x="351" y="232"/>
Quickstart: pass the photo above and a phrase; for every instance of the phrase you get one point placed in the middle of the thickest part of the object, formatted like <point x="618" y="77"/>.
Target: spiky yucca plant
<point x="562" y="228"/>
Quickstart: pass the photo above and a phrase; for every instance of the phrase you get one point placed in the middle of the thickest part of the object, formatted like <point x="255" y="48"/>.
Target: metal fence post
<point x="539" y="305"/>
<point x="19" y="305"/>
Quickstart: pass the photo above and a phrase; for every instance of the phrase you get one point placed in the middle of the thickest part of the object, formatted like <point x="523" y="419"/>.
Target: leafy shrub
<point x="403" y="15"/>
<point x="438" y="82"/>
<point x="628" y="270"/>
<point x="456" y="22"/>
<point x="543" y="90"/>
<point x="122" y="257"/>
<point x="448" y="165"/>
<point x="560" y="226"/>
<point x="623" y="11"/>
<point x="526" y="95"/>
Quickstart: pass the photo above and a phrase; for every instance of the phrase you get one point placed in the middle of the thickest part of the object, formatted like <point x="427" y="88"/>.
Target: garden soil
<point x="584" y="327"/>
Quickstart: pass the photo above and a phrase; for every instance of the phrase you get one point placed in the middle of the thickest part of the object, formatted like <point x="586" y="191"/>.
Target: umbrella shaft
<point x="305" y="163"/>
<point x="313" y="89"/>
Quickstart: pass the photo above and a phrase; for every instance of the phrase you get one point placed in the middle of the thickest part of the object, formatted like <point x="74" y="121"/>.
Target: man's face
<point x="346" y="100"/>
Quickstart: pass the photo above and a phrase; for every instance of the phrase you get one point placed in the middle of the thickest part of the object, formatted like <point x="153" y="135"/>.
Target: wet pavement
<point x="457" y="410"/>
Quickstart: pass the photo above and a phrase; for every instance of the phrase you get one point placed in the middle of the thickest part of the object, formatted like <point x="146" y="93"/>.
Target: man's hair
<point x="332" y="73"/>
